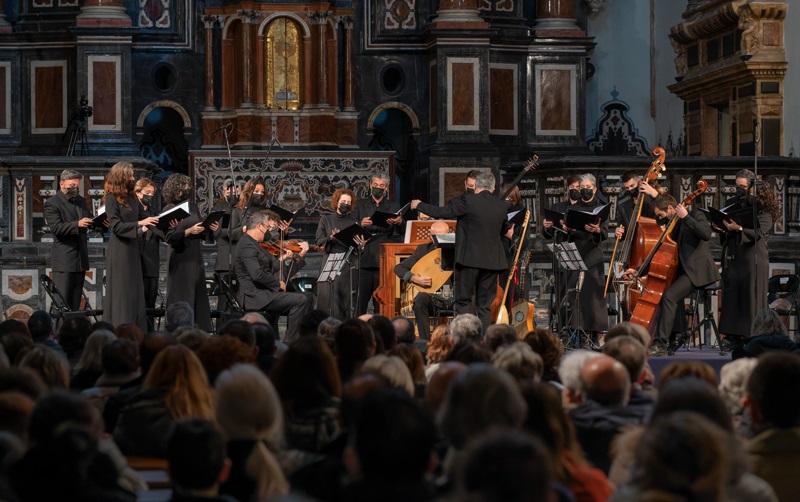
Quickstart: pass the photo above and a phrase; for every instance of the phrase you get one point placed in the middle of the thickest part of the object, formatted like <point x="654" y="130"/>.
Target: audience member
<point x="197" y="460"/>
<point x="4" y="362"/>
<point x="768" y="335"/>
<point x="732" y="388"/>
<point x="249" y="412"/>
<point x="355" y="344"/>
<point x="439" y="347"/>
<point x="385" y="331"/>
<point x="52" y="367"/>
<point x="42" y="328"/>
<point x="130" y="331"/>
<point x="326" y="330"/>
<point x="390" y="450"/>
<point x="520" y="361"/>
<point x="120" y="361"/>
<point x="267" y="344"/>
<point x="16" y="345"/>
<point x="469" y="352"/>
<point x="439" y="384"/>
<point x="10" y="326"/>
<point x="569" y="373"/>
<point x="681" y="369"/>
<point x="309" y="324"/>
<point x="466" y="328"/>
<point x="15" y="413"/>
<point x="193" y="338"/>
<point x="628" y="351"/>
<point x="310" y="389"/>
<point x="178" y="315"/>
<point x="219" y="353"/>
<point x="175" y="387"/>
<point x="90" y="366"/>
<point x="499" y="335"/>
<point x="393" y="369"/>
<point x="23" y="380"/>
<point x="773" y="399"/>
<point x="412" y="358"/>
<point x="72" y="336"/>
<point x="547" y="345"/>
<point x="404" y="330"/>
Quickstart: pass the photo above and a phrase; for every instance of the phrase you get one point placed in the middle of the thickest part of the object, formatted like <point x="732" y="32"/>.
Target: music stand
<point x="569" y="258"/>
<point x="331" y="269"/>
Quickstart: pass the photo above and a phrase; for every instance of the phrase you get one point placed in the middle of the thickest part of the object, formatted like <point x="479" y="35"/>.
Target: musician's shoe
<point x="658" y="350"/>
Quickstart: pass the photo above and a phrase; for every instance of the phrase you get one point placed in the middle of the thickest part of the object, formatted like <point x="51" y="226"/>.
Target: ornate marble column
<point x="320" y="18"/>
<point x="347" y="23"/>
<point x="209" y="22"/>
<point x="249" y="18"/>
<point x="103" y="13"/>
<point x="557" y="18"/>
<point x="458" y="14"/>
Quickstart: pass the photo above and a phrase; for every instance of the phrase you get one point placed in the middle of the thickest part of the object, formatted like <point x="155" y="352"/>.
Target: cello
<point x="663" y="266"/>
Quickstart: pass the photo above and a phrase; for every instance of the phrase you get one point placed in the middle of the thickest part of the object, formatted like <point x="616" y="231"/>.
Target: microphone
<point x="275" y="139"/>
<point x="580" y="281"/>
<point x="224" y="126"/>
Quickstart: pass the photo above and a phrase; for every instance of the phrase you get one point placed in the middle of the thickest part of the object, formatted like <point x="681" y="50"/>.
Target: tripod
<point x="78" y="136"/>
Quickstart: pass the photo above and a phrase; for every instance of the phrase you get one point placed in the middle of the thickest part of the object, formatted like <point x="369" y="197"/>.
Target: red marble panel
<point x="104" y="93"/>
<point x="304" y="130"/>
<point x="434" y="105"/>
<point x="323" y="129"/>
<point x="3" y="103"/>
<point x="463" y="92"/>
<point x="244" y="129"/>
<point x="348" y="131"/>
<point x="49" y="87"/>
<point x="284" y="130"/>
<point x="501" y="98"/>
<point x="555" y="102"/>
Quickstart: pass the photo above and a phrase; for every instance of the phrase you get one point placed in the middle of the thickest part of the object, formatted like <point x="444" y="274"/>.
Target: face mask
<point x="377" y="193"/>
<point x="185" y="194"/>
<point x="146" y="200"/>
<point x="344" y="208"/>
<point x="741" y="192"/>
<point x="509" y="204"/>
<point x="470" y="190"/>
<point x="257" y="199"/>
<point x="574" y="194"/>
<point x="662" y="221"/>
<point x="131" y="185"/>
<point x="587" y="193"/>
<point x="632" y="193"/>
<point x="72" y="192"/>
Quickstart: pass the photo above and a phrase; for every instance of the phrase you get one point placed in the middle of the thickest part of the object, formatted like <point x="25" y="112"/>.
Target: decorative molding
<point x="595" y="6"/>
<point x="398" y="106"/>
<point x="615" y="133"/>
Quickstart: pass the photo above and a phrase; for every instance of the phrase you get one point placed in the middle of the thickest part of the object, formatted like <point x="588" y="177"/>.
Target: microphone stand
<point x="260" y="173"/>
<point x="229" y="199"/>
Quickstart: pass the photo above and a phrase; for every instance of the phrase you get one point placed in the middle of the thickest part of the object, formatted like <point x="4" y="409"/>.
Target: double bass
<point x="663" y="266"/>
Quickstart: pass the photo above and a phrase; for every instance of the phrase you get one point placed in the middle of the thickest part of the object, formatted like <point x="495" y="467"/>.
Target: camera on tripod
<point x="84" y="111"/>
<point x="77" y="128"/>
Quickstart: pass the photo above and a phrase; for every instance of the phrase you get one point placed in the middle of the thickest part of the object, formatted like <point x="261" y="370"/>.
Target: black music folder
<point x="577" y="218"/>
<point x="553" y="216"/>
<point x="215" y="217"/>
<point x="347" y="235"/>
<point x="743" y="216"/>
<point x="178" y="212"/>
<point x="284" y="214"/>
<point x="99" y="222"/>
<point x="379" y="218"/>
<point x="517" y="218"/>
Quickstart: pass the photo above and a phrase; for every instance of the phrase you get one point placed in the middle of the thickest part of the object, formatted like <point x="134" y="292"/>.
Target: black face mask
<point x="146" y="200"/>
<point x="574" y="194"/>
<point x="71" y="193"/>
<point x="131" y="185"/>
<point x="662" y="221"/>
<point x="741" y="192"/>
<point x="470" y="190"/>
<point x="185" y="194"/>
<point x="509" y="204"/>
<point x="378" y="193"/>
<point x="344" y="208"/>
<point x="587" y="194"/>
<point x="257" y="199"/>
<point x="632" y="193"/>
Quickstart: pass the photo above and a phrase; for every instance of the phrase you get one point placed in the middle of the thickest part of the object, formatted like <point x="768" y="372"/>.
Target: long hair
<point x="92" y="351"/>
<point x="248" y="190"/>
<point x="174" y="186"/>
<point x="306" y="376"/>
<point x="767" y="203"/>
<point x="440" y="345"/>
<point x="177" y="369"/>
<point x="116" y="183"/>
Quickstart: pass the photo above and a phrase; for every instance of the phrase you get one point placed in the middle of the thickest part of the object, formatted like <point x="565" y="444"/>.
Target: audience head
<point x="266" y="339"/>
<point x="480" y="398"/>
<point x="58" y="409"/>
<point x="466" y="328"/>
<point x="404" y="330"/>
<point x="196" y="456"/>
<point x="326" y="330"/>
<point x="16" y="345"/>
<point x="773" y="391"/>
<point x="439" y="383"/>
<point x="733" y="379"/>
<point x="392" y="440"/>
<point x="177" y="369"/>
<point x="569" y="372"/>
<point x="507" y="466"/>
<point x="306" y="376"/>
<point x="91" y="358"/>
<point x="24" y="380"/>
<point x="309" y="324"/>
<point x="766" y="322"/>
<point x="356" y="388"/>
<point x="73" y="333"/>
<point x="178" y="314"/>
<point x="219" y="353"/>
<point x="606" y="381"/>
<point x="394" y="369"/>
<point x="412" y="358"/>
<point x="10" y="326"/>
<point x="120" y="357"/>
<point x="242" y="330"/>
<point x="194" y="338"/>
<point x="254" y="317"/>
<point x="354" y="345"/>
<point x="680" y="369"/>
<point x="440" y="345"/>
<point x="40" y="325"/>
<point x="385" y="329"/>
<point x="547" y="345"/>
<point x="152" y="344"/>
<point x="520" y="361"/>
<point x="130" y="331"/>
<point x="16" y="409"/>
<point x="499" y="335"/>
<point x="468" y="353"/>
<point x="695" y="395"/>
<point x="627" y="328"/>
<point x="102" y="325"/>
<point x="50" y="365"/>
<point x="4" y="362"/>
<point x="629" y="352"/>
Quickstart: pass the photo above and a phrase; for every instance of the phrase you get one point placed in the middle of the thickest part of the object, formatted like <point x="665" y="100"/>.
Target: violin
<point x="276" y="248"/>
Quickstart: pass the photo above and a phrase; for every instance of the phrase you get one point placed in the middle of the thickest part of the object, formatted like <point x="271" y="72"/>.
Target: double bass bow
<point x="663" y="266"/>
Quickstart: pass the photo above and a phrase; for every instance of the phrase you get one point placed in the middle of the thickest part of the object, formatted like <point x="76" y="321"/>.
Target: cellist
<point x="696" y="267"/>
<point x="635" y="187"/>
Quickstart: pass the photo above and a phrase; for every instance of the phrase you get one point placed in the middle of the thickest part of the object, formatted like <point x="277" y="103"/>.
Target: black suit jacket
<point x="70" y="251"/>
<point x="257" y="272"/>
<point x="482" y="221"/>
<point x="692" y="234"/>
<point x="370" y="256"/>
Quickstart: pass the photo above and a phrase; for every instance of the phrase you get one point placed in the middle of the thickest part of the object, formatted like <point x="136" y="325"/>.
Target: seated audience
<point x="52" y="367"/>
<point x="355" y="343"/>
<point x="90" y="366"/>
<point x="569" y="373"/>
<point x="629" y="351"/>
<point x="72" y="336"/>
<point x="404" y="330"/>
<point x="178" y="315"/>
<point x="42" y="328"/>
<point x="732" y="388"/>
<point x="547" y="345"/>
<point x="219" y="353"/>
<point x="466" y="328"/>
<point x="393" y="369"/>
<point x="385" y="333"/>
<point x="412" y="358"/>
<point x="130" y="331"/>
<point x="267" y="345"/>
<point x="120" y="360"/>
<point x="16" y="345"/>
<point x="768" y="334"/>
<point x="499" y="335"/>
<point x="520" y="361"/>
<point x="439" y="383"/>
<point x="439" y="346"/>
<point x="682" y="369"/>
<point x="326" y="330"/>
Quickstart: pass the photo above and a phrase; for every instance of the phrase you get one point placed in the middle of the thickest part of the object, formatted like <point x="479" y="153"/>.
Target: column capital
<point x="347" y="21"/>
<point x="320" y="17"/>
<point x="250" y="16"/>
<point x="210" y="21"/>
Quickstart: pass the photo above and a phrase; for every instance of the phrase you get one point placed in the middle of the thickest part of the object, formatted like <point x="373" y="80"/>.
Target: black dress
<point x="745" y="273"/>
<point x="186" y="273"/>
<point x="150" y="252"/>
<point x="369" y="261"/>
<point x="334" y="298"/>
<point x="124" y="298"/>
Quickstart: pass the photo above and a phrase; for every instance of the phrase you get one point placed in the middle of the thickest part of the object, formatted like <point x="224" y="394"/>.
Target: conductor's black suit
<point x="69" y="257"/>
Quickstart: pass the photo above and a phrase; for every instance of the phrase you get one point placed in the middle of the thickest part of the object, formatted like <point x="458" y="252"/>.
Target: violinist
<point x="335" y="297"/>
<point x="253" y="198"/>
<point x="745" y="260"/>
<point x="696" y="268"/>
<point x="635" y="187"/>
<point x="261" y="287"/>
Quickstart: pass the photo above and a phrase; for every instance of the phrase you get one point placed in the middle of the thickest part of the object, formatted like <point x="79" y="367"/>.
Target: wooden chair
<point x="59" y="309"/>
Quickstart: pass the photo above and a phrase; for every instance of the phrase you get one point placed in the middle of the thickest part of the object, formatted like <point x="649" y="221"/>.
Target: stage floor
<point x="708" y="355"/>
